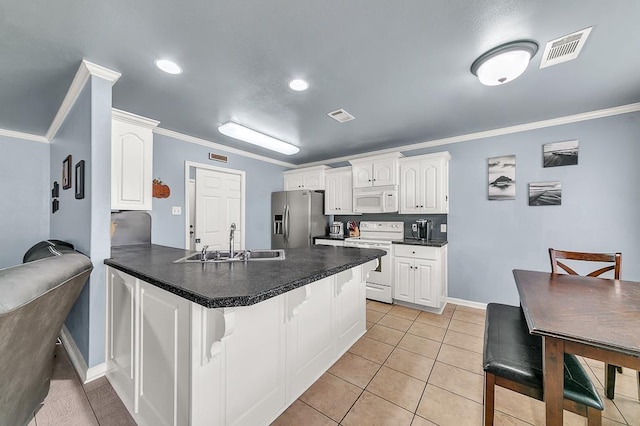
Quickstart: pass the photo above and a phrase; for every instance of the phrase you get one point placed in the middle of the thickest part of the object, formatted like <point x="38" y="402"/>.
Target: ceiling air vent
<point x="564" y="48"/>
<point x="341" y="116"/>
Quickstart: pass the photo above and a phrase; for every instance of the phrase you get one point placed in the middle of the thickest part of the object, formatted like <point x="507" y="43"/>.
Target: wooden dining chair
<point x="615" y="261"/>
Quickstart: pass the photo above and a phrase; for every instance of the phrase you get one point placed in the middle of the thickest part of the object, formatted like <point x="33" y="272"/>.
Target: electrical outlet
<point x="176" y="210"/>
<point x="414" y="227"/>
<point x="443" y="227"/>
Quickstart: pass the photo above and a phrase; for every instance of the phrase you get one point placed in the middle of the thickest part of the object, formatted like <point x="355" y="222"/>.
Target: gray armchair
<point x="35" y="299"/>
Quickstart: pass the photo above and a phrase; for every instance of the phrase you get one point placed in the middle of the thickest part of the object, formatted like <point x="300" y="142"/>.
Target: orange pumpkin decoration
<point x="160" y="190"/>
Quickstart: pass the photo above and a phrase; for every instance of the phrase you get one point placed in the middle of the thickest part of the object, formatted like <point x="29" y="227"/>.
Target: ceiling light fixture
<point x="246" y="134"/>
<point x="504" y="63"/>
<point x="168" y="66"/>
<point x="298" y="85"/>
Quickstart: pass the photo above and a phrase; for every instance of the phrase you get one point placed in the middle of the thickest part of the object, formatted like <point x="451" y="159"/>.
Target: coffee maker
<point x="424" y="228"/>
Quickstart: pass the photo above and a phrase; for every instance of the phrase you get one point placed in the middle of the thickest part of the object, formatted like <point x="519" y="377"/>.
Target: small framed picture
<point x="80" y="180"/>
<point x="66" y="172"/>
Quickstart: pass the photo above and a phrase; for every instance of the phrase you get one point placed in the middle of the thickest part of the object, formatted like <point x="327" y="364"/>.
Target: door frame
<point x="187" y="213"/>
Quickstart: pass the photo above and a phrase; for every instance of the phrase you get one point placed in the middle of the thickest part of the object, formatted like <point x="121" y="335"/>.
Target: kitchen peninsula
<point x="228" y="343"/>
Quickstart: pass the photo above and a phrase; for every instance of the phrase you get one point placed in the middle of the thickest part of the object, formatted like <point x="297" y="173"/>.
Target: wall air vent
<point x="565" y="48"/>
<point x="341" y="116"/>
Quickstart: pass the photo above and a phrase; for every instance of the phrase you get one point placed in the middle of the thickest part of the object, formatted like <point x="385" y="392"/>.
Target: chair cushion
<point x="511" y="352"/>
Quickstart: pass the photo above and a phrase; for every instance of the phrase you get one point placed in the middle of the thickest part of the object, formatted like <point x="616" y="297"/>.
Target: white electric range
<point x="379" y="235"/>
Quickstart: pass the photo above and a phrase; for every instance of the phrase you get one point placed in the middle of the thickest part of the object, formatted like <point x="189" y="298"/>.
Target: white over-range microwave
<point x="377" y="199"/>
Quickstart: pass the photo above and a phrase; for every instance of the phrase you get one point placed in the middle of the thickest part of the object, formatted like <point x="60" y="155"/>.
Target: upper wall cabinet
<point x="424" y="183"/>
<point x="338" y="195"/>
<point x="131" y="161"/>
<point x="380" y="170"/>
<point x="309" y="178"/>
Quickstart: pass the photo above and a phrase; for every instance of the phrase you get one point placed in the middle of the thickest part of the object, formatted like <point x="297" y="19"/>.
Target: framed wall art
<point x="80" y="180"/>
<point x="560" y="154"/>
<point x="66" y="172"/>
<point x="545" y="194"/>
<point x="502" y="177"/>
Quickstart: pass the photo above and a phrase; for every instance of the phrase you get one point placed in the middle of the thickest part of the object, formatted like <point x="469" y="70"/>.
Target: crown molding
<point x="86" y="70"/>
<point x="204" y="142"/>
<point x="25" y="136"/>
<point x="131" y="118"/>
<point x="568" y="119"/>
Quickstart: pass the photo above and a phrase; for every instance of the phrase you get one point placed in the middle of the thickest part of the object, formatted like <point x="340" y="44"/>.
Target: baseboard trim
<point x="468" y="303"/>
<point x="86" y="374"/>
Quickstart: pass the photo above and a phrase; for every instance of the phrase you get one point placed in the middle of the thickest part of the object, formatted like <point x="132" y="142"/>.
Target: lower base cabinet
<point x="420" y="275"/>
<point x="174" y="362"/>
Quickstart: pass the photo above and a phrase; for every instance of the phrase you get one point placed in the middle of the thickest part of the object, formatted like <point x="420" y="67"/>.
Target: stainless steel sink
<point x="238" y="256"/>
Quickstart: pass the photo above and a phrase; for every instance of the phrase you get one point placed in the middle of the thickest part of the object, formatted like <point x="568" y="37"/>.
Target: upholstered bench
<point x="513" y="359"/>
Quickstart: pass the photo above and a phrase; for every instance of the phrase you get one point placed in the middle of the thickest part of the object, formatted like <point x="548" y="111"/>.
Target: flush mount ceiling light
<point x="298" y="85"/>
<point x="504" y="63"/>
<point x="246" y="134"/>
<point x="168" y="66"/>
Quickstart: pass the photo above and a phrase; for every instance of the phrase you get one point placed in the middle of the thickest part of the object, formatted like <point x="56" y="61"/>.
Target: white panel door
<point x="163" y="391"/>
<point x="426" y="288"/>
<point x="404" y="279"/>
<point x="332" y="193"/>
<point x="218" y="204"/>
<point x="345" y="193"/>
<point x="350" y="308"/>
<point x="431" y="179"/>
<point x="362" y="175"/>
<point x="121" y="343"/>
<point x="410" y="187"/>
<point x="384" y="172"/>
<point x="254" y="356"/>
<point x="313" y="180"/>
<point x="293" y="181"/>
<point x="311" y="344"/>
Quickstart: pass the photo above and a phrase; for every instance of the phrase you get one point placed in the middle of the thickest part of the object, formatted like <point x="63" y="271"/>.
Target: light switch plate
<point x="443" y="227"/>
<point x="176" y="210"/>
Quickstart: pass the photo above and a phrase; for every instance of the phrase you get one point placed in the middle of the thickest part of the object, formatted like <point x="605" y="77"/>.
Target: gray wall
<point x="86" y="135"/>
<point x="169" y="155"/>
<point x="599" y="211"/>
<point x="26" y="197"/>
<point x="72" y="222"/>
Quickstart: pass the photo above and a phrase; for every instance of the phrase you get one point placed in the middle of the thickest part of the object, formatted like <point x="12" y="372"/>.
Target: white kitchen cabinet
<point x="420" y="275"/>
<point x="329" y="242"/>
<point x="380" y="170"/>
<point x="131" y="161"/>
<point x="338" y="196"/>
<point x="424" y="184"/>
<point x="148" y="350"/>
<point x="308" y="178"/>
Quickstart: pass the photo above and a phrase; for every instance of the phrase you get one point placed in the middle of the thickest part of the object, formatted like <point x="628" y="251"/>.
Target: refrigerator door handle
<point x="286" y="223"/>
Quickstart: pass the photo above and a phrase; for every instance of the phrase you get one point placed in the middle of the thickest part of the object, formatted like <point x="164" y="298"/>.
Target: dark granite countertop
<point x="415" y="242"/>
<point x="328" y="237"/>
<point x="217" y="285"/>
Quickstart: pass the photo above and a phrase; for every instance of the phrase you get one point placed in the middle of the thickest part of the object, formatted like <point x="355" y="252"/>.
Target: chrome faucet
<point x="231" y="239"/>
<point x="204" y="253"/>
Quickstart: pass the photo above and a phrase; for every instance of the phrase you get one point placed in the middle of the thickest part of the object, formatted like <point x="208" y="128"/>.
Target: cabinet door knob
<point x="417" y="207"/>
<point x="422" y="206"/>
<point x="413" y="252"/>
<point x="369" y="180"/>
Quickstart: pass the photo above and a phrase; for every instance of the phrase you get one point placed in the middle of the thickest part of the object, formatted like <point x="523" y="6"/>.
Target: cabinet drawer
<point x="417" y="252"/>
<point x="321" y="242"/>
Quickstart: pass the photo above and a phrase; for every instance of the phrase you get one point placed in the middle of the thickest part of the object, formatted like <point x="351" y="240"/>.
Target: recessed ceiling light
<point x="168" y="66"/>
<point x="298" y="85"/>
<point x="238" y="131"/>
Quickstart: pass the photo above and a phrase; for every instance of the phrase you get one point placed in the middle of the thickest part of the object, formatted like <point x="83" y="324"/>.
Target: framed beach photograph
<point x="502" y="177"/>
<point x="560" y="154"/>
<point x="80" y="180"/>
<point x="545" y="194"/>
<point x="66" y="172"/>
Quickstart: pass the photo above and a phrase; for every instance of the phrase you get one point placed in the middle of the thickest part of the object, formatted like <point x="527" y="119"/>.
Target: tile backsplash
<point x="408" y="219"/>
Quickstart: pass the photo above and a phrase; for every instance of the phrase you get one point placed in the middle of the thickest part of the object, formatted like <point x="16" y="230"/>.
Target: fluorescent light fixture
<point x="168" y="66"/>
<point x="246" y="134"/>
<point x="298" y="85"/>
<point x="504" y="63"/>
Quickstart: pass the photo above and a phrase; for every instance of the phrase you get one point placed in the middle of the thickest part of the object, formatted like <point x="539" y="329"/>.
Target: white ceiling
<point x="401" y="68"/>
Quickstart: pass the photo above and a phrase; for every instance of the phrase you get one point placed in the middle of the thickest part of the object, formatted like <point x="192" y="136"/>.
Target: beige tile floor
<point x="417" y="368"/>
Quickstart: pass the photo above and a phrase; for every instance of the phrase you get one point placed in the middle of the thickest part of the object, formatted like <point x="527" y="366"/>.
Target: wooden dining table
<point x="592" y="317"/>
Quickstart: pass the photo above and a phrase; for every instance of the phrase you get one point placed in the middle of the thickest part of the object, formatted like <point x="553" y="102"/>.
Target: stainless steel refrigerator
<point x="296" y="217"/>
